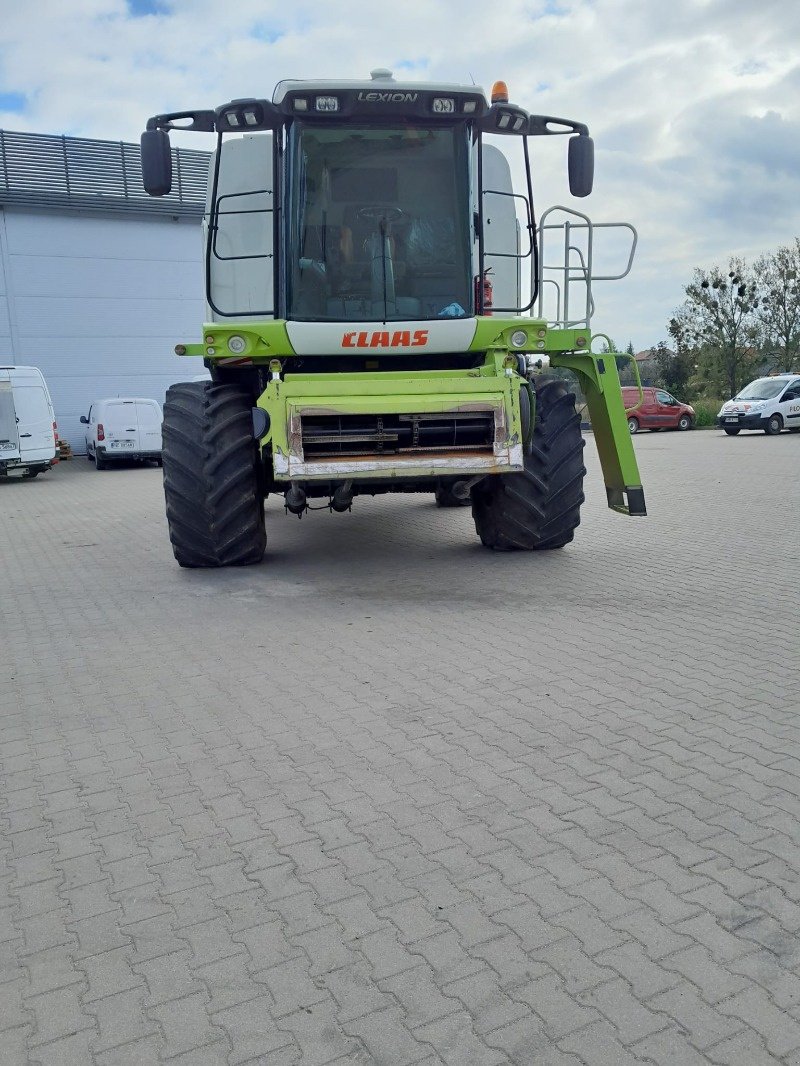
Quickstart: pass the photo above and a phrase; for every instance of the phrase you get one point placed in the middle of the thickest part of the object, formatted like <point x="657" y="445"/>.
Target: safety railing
<point x="570" y="265"/>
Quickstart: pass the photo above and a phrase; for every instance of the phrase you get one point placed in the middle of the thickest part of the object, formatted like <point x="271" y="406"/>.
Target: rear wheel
<point x="540" y="507"/>
<point x="215" y="507"/>
<point x="633" y="425"/>
<point x="99" y="463"/>
<point x="30" y="474"/>
<point x="732" y="430"/>
<point x="774" y="425"/>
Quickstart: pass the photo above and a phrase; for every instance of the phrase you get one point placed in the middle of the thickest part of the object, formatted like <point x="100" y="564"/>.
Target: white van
<point x="28" y="433"/>
<point x="771" y="404"/>
<point x="122" y="428"/>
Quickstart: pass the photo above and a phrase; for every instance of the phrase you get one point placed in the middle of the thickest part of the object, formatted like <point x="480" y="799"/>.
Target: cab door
<point x="789" y="405"/>
<point x="666" y="411"/>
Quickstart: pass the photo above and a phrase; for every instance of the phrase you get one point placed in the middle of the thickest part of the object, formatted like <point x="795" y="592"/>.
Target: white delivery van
<point x="122" y="428"/>
<point x="771" y="404"/>
<point x="28" y="433"/>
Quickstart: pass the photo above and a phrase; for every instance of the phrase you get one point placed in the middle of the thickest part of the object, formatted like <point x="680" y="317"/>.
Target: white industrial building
<point x="98" y="281"/>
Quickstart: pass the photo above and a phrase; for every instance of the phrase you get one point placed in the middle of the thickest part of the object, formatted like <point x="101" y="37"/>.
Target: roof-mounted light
<point x="499" y="93"/>
<point x="444" y="105"/>
<point x="326" y="103"/>
<point x="300" y="104"/>
<point x="470" y="106"/>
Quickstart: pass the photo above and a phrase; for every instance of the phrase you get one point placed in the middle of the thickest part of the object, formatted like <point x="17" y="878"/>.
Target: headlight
<point x="519" y="338"/>
<point x="236" y="344"/>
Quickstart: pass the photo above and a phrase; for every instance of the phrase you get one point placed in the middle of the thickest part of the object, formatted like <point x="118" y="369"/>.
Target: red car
<point x="658" y="410"/>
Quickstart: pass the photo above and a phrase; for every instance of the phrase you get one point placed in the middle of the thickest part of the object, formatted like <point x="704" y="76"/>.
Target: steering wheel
<point x="377" y="212"/>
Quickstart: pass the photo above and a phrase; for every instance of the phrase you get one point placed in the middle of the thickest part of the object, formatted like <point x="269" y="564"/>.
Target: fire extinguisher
<point x="484" y="292"/>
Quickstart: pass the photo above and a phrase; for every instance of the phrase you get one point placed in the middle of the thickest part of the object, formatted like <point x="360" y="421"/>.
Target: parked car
<point x="28" y="432"/>
<point x="123" y="428"/>
<point x="771" y="404"/>
<point x="658" y="410"/>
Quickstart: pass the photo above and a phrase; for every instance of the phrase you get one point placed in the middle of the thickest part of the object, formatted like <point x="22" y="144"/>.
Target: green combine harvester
<point x="375" y="291"/>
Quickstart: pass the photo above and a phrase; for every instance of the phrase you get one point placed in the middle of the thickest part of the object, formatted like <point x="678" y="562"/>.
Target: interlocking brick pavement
<point x="391" y="798"/>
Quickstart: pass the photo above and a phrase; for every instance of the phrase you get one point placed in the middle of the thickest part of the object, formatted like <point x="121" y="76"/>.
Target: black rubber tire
<point x="774" y="425"/>
<point x="633" y="425"/>
<point x="539" y="508"/>
<point x="445" y="498"/>
<point x="100" y="464"/>
<point x="31" y="474"/>
<point x="685" y="422"/>
<point x="732" y="430"/>
<point x="215" y="507"/>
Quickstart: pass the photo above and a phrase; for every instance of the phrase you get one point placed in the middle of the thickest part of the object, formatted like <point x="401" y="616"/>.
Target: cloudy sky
<point x="694" y="104"/>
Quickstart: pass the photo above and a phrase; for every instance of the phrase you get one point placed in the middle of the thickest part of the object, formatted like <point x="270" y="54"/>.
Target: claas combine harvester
<point x="374" y="291"/>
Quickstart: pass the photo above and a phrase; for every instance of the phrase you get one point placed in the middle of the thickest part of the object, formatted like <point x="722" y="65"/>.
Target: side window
<point x="792" y="393"/>
<point x="664" y="397"/>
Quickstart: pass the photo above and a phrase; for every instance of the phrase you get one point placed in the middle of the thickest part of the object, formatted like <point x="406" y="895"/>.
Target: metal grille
<point x="75" y="172"/>
<point x="392" y="434"/>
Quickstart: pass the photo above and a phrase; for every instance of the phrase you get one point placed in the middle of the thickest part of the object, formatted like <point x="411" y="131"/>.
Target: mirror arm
<point x="539" y="126"/>
<point x="204" y="121"/>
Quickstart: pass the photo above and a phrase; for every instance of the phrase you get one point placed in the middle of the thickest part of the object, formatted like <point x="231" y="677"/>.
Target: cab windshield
<point x="378" y="223"/>
<point x="762" y="389"/>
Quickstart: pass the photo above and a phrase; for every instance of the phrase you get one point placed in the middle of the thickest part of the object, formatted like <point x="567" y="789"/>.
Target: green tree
<point x="719" y="318"/>
<point x="778" y="275"/>
<point x="674" y="368"/>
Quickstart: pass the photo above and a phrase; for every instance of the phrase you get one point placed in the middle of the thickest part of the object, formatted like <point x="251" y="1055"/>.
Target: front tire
<point x="774" y="425"/>
<point x="732" y="430"/>
<point x="215" y="507"/>
<point x="539" y="508"/>
<point x="685" y="422"/>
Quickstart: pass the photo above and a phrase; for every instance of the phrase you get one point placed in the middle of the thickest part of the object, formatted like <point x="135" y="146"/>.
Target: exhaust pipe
<point x="295" y="499"/>
<point x="342" y="499"/>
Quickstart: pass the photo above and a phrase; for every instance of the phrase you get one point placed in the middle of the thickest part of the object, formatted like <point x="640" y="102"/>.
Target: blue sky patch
<point x="139" y="8"/>
<point x="12" y="101"/>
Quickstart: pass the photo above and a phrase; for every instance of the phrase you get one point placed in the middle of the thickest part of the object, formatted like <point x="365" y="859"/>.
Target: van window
<point x="31" y="403"/>
<point x="148" y="415"/>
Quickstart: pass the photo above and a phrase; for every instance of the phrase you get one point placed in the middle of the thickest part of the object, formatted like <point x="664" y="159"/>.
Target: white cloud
<point x="694" y="105"/>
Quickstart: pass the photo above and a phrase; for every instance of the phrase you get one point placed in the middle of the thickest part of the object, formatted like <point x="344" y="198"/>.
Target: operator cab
<point x="379" y="222"/>
<point x="365" y="201"/>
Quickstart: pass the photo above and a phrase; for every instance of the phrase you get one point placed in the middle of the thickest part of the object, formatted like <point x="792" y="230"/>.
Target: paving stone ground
<point x="391" y="798"/>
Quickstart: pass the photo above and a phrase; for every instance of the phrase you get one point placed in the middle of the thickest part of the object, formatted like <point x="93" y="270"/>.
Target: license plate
<point x="122" y="443"/>
<point x="732" y="419"/>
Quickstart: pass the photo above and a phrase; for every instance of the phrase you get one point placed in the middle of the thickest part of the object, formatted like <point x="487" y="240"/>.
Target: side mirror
<point x="157" y="162"/>
<point x="581" y="165"/>
<point x="84" y="420"/>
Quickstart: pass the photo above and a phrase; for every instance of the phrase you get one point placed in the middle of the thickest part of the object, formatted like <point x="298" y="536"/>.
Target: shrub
<point x="705" y="412"/>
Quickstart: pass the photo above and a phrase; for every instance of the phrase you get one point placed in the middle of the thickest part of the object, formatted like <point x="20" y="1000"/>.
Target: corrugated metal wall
<point x="98" y="304"/>
<point x="98" y="282"/>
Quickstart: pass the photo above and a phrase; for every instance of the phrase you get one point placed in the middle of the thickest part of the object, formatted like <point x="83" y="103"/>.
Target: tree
<point x="719" y="318"/>
<point x="674" y="368"/>
<point x="779" y="311"/>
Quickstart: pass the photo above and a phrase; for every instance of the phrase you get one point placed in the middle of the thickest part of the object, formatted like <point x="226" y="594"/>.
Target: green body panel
<point x="599" y="380"/>
<point x="492" y="386"/>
